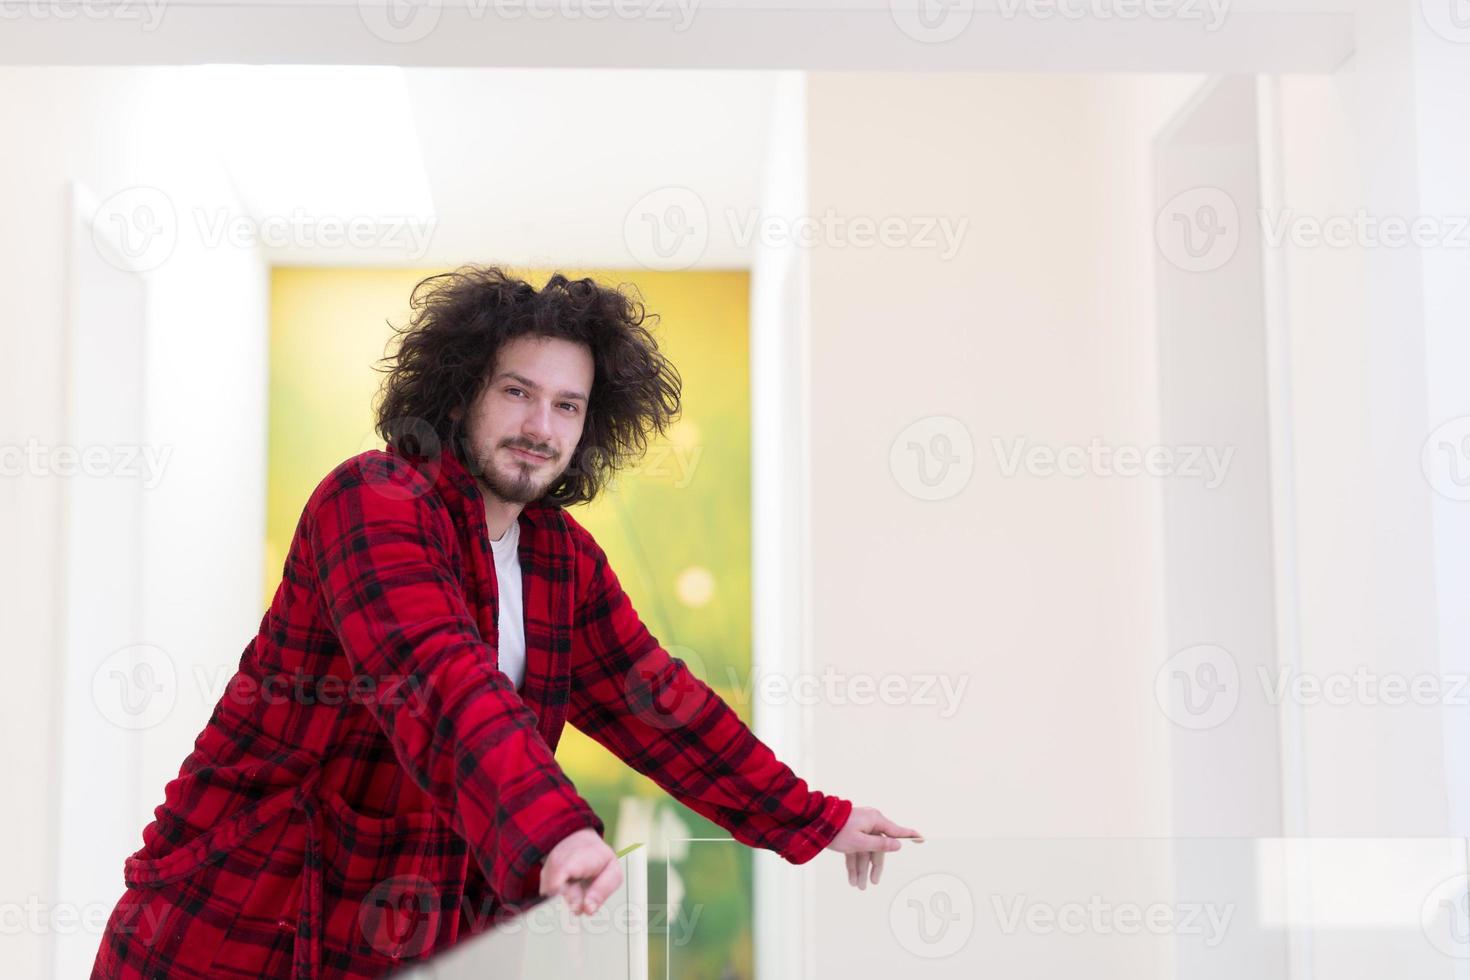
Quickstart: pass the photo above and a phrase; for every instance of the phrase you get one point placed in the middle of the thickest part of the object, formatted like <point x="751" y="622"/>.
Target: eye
<point x="570" y="405"/>
<point x="514" y="391"/>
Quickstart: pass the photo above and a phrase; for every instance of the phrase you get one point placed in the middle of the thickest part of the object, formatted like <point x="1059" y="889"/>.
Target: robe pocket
<point x="229" y="889"/>
<point x="391" y="884"/>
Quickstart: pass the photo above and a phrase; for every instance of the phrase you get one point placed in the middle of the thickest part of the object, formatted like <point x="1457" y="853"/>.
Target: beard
<point x="512" y="480"/>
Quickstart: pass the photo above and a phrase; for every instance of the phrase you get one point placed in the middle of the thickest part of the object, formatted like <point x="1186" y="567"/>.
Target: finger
<point x="863" y="859"/>
<point x="885" y="826"/>
<point x="877" y="866"/>
<point x="567" y="868"/>
<point x="606" y="882"/>
<point x="573" y="893"/>
<point x="851" y="869"/>
<point x="873" y="842"/>
<point x="554" y="878"/>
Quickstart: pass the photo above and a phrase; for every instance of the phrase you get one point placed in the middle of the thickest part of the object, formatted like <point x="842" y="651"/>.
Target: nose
<point x="536" y="426"/>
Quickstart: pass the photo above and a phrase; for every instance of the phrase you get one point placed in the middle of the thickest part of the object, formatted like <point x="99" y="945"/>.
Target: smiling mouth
<point x="527" y="454"/>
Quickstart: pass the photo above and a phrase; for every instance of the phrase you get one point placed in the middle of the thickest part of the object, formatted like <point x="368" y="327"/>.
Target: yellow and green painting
<point x="676" y="529"/>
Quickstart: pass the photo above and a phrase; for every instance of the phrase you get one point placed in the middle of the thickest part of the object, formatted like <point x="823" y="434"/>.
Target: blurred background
<point x="1075" y="462"/>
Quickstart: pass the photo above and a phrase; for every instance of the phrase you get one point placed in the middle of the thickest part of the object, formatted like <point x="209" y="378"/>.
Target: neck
<point x="499" y="514"/>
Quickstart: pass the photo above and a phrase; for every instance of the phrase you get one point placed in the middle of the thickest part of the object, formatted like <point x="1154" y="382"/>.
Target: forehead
<point x="549" y="362"/>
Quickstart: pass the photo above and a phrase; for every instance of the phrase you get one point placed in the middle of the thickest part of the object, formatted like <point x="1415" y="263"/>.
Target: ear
<point x="455" y="413"/>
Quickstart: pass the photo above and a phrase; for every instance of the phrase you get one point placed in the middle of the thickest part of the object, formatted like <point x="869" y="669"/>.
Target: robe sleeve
<point x="651" y="711"/>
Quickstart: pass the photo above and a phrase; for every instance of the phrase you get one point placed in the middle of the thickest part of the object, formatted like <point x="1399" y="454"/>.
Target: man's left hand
<point x="865" y="838"/>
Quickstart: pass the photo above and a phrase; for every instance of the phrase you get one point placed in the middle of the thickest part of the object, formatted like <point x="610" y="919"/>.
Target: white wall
<point x="1038" y="592"/>
<point x="1362" y="316"/>
<point x="1333" y="459"/>
<point x="205" y="363"/>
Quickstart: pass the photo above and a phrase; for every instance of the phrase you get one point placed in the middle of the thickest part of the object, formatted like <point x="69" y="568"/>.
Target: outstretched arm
<point x="649" y="710"/>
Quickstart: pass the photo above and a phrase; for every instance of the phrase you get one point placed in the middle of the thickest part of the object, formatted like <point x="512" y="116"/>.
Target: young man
<point x="378" y="779"/>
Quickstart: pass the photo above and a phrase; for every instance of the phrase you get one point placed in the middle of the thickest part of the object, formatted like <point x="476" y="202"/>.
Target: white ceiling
<point x="523" y="166"/>
<point x="546" y="164"/>
<point x="550" y="156"/>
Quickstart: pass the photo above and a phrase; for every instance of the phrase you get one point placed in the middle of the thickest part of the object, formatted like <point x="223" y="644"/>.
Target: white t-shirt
<point x="511" y="622"/>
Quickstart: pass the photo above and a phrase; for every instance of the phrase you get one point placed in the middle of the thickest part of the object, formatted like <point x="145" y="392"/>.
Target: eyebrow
<point x="575" y="395"/>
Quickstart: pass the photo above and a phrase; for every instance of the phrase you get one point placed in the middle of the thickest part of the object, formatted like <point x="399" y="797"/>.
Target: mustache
<point x="538" y="450"/>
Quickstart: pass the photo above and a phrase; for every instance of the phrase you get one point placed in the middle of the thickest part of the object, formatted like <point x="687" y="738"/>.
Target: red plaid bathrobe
<point x="370" y="788"/>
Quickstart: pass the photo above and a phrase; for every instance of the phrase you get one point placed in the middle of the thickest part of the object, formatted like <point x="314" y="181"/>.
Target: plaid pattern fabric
<point x="370" y="788"/>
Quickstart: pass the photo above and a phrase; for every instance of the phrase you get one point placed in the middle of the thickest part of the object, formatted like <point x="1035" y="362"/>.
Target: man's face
<point x="526" y="422"/>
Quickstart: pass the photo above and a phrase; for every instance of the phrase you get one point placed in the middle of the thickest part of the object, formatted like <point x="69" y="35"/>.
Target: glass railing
<point x="548" y="941"/>
<point x="1134" y="908"/>
<point x="1173" y="909"/>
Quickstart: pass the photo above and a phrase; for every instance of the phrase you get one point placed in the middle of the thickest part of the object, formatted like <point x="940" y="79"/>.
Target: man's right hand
<point x="583" y="870"/>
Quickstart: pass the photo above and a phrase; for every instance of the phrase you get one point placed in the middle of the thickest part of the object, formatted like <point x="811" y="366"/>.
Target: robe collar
<point x="548" y="597"/>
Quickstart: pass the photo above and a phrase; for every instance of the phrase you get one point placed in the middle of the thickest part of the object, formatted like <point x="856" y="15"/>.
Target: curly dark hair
<point x="446" y="354"/>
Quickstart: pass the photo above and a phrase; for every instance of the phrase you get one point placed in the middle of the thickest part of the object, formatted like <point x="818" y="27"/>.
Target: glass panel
<point x="1134" y="908"/>
<point x="700" y="923"/>
<point x="547" y="940"/>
